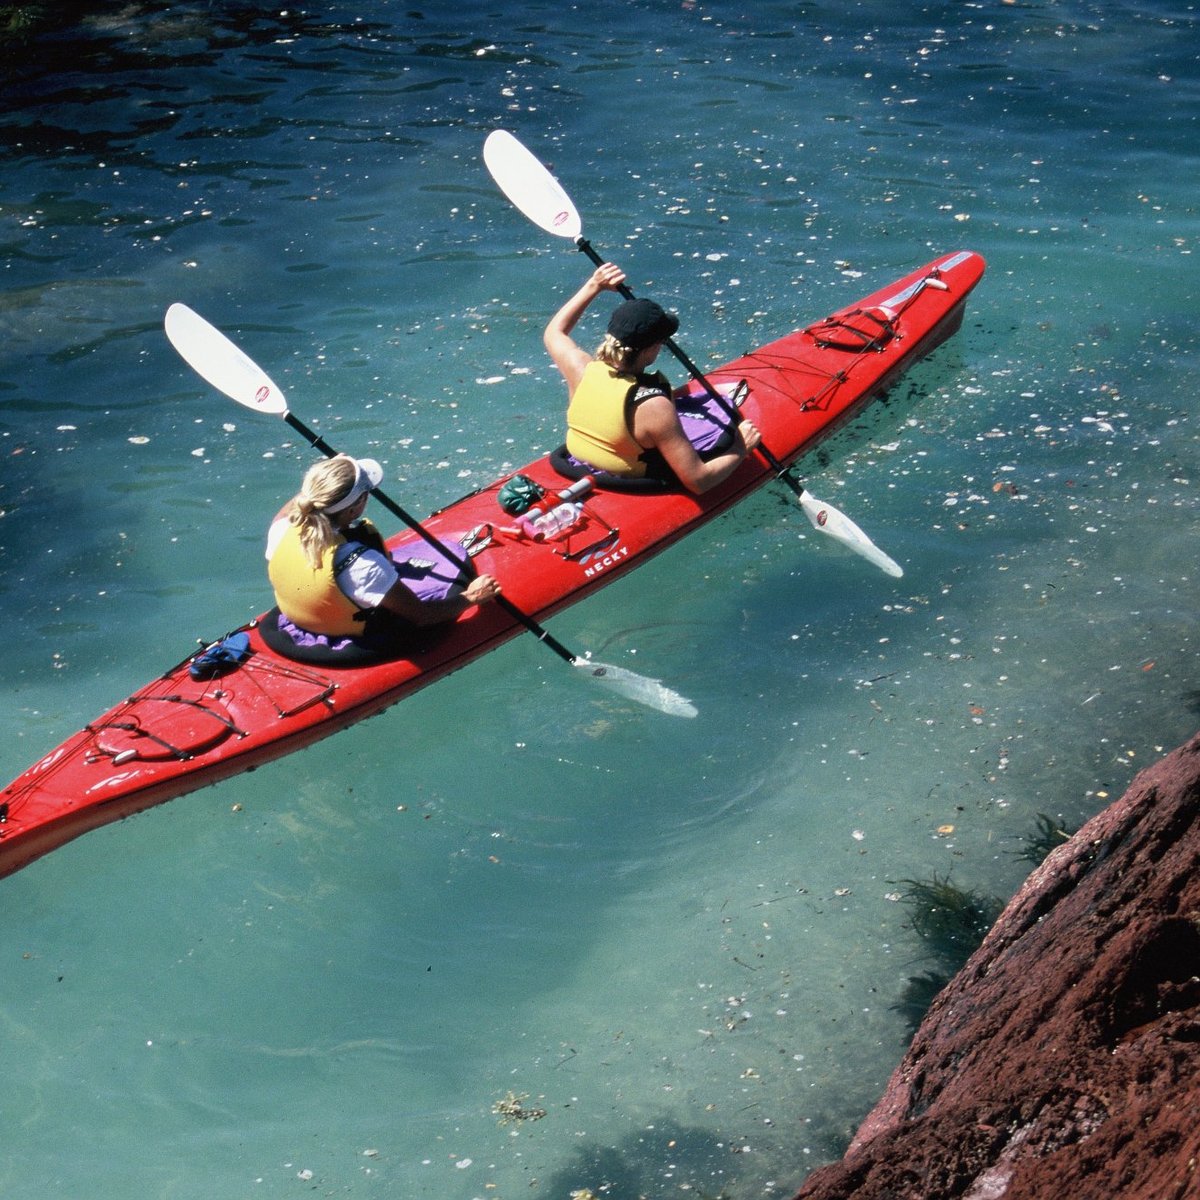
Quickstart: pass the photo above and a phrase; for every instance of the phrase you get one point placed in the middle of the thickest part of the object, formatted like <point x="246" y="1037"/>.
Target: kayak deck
<point x="178" y="733"/>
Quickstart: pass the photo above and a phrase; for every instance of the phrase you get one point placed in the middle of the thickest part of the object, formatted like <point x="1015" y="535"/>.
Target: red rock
<point x="1063" y="1061"/>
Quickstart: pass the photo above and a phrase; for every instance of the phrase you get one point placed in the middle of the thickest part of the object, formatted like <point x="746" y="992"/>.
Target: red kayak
<point x="179" y="733"/>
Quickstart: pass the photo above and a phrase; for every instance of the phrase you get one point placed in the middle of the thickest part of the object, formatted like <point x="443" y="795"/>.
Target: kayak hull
<point x="178" y="734"/>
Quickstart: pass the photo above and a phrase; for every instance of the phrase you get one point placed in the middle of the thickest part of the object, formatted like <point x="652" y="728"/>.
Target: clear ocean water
<point x="681" y="941"/>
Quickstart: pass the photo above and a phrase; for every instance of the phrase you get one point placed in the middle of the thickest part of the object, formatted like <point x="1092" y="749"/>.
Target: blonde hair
<point x="615" y="354"/>
<point x="325" y="483"/>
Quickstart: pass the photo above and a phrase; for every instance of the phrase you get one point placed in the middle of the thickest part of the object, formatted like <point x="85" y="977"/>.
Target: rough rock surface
<point x="1063" y="1062"/>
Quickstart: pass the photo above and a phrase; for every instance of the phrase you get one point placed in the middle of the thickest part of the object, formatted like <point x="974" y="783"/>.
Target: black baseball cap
<point x="640" y="323"/>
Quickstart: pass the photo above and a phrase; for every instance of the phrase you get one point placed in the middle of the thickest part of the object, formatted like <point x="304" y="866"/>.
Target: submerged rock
<point x="1064" y="1059"/>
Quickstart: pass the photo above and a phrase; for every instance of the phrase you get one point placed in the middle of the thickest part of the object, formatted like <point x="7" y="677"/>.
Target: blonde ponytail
<point x="615" y="354"/>
<point x="325" y="483"/>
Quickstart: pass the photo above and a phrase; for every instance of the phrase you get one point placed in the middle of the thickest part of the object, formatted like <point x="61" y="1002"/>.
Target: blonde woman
<point x="621" y="418"/>
<point x="332" y="575"/>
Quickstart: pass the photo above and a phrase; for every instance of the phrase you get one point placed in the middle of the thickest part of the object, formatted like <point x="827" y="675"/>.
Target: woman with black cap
<point x="621" y="417"/>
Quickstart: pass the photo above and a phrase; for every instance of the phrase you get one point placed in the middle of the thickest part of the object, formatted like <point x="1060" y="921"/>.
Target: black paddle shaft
<point x="542" y="634"/>
<point x="694" y="371"/>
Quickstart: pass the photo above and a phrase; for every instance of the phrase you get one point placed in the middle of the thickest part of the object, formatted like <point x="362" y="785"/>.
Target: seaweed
<point x="1048" y="836"/>
<point x="512" y="1108"/>
<point x="19" y="22"/>
<point x="950" y="920"/>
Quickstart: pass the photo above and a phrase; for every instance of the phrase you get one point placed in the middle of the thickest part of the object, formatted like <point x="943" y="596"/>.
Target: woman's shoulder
<point x="651" y="385"/>
<point x="279" y="526"/>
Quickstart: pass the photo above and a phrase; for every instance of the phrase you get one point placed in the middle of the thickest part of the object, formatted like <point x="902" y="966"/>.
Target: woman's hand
<point x="607" y="277"/>
<point x="750" y="435"/>
<point x="481" y="589"/>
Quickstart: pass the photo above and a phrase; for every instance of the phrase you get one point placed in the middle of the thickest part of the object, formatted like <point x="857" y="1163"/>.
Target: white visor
<point x="368" y="475"/>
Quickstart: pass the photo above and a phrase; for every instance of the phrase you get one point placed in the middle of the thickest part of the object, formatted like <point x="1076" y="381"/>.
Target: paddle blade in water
<point x="218" y="361"/>
<point x="523" y="179"/>
<point x="829" y="520"/>
<point x="649" y="692"/>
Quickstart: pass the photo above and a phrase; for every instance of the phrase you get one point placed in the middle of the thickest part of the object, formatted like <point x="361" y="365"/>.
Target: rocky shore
<point x="1063" y="1062"/>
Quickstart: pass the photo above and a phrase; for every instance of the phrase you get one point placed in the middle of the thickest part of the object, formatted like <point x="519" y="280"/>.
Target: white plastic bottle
<point x="540" y="525"/>
<point x="559" y="519"/>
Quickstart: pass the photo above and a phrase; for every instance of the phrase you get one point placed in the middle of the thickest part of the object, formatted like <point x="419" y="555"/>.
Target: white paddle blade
<point x="829" y="520"/>
<point x="531" y="188"/>
<point x="649" y="692"/>
<point x="218" y="361"/>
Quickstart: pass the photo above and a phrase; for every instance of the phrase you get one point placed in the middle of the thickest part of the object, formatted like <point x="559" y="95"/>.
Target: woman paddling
<point x="621" y="419"/>
<point x="333" y="576"/>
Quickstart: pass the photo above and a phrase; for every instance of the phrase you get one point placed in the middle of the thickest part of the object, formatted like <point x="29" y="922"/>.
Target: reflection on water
<point x="692" y="954"/>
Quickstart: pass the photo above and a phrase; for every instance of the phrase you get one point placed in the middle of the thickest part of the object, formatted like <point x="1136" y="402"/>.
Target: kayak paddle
<point x="219" y="362"/>
<point x="532" y="189"/>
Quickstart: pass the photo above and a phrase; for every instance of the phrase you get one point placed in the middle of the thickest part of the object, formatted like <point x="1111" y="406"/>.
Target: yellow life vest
<point x="598" y="419"/>
<point x="308" y="596"/>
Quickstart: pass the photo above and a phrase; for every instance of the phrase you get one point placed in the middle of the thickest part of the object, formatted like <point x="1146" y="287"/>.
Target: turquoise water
<point x="678" y="939"/>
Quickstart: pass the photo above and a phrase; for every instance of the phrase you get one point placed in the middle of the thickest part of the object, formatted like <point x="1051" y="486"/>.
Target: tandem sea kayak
<point x="240" y="703"/>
